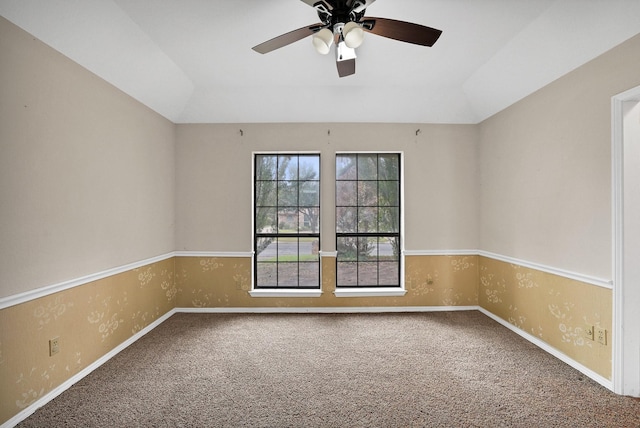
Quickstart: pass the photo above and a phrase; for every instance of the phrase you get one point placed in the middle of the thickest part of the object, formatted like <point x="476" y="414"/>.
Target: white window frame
<point x="285" y="292"/>
<point x="379" y="291"/>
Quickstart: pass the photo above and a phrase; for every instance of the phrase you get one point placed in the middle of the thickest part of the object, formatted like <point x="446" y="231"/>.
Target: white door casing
<point x="626" y="241"/>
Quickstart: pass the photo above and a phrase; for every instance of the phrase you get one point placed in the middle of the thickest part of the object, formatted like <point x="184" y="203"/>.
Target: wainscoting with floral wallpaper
<point x="225" y="282"/>
<point x="95" y="318"/>
<point x="89" y="321"/>
<point x="550" y="307"/>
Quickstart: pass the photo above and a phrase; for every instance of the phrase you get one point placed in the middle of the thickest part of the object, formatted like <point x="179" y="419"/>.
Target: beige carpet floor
<point x="455" y="369"/>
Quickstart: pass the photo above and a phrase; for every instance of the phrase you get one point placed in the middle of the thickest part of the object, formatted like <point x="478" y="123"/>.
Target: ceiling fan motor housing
<point x="340" y="11"/>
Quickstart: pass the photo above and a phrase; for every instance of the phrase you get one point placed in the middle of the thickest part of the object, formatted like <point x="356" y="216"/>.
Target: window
<point x="286" y="221"/>
<point x="368" y="220"/>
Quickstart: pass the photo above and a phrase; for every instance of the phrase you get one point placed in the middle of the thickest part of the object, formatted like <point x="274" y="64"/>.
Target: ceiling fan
<point x="343" y="23"/>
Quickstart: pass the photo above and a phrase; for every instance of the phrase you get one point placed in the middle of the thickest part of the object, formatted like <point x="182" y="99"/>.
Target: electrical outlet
<point x="601" y="335"/>
<point x="54" y="346"/>
<point x="588" y="332"/>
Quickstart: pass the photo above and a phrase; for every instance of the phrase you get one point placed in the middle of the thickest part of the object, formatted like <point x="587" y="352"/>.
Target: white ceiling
<point x="191" y="60"/>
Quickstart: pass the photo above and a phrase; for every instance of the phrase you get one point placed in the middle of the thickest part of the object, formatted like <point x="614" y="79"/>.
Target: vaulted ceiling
<point x="191" y="60"/>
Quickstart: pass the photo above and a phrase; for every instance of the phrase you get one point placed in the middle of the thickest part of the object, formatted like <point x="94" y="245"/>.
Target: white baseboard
<point x="325" y="310"/>
<point x="319" y="310"/>
<point x="83" y="373"/>
<point x="380" y="309"/>
<point x="550" y="349"/>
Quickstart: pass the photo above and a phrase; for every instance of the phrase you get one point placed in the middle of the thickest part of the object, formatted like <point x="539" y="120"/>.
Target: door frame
<point x="626" y="334"/>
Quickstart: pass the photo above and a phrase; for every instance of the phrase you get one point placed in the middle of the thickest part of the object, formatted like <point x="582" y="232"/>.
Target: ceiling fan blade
<point x="346" y="67"/>
<point x="401" y="30"/>
<point x="287" y="38"/>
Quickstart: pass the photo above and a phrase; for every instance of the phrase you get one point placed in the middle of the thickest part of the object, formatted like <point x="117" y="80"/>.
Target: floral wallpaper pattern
<point x="92" y="319"/>
<point x="554" y="309"/>
<point x="442" y="280"/>
<point x="52" y="310"/>
<point x="89" y="320"/>
<point x="107" y="322"/>
<point x="226" y="282"/>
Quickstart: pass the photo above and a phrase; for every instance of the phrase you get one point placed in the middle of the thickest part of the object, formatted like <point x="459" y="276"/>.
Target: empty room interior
<point x="148" y="156"/>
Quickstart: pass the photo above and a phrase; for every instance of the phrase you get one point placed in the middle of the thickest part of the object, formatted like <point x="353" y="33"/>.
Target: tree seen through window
<point x="368" y="220"/>
<point x="287" y="221"/>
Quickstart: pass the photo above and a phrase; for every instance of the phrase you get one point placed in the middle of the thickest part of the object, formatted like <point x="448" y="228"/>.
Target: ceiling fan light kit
<point x="322" y="41"/>
<point x="353" y="34"/>
<point x="343" y="23"/>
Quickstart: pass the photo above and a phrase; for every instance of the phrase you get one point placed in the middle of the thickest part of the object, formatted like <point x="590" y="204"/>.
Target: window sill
<point x="370" y="292"/>
<point x="285" y="293"/>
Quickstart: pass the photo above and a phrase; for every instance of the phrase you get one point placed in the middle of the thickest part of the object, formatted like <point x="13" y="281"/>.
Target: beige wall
<point x="86" y="172"/>
<point x="214" y="179"/>
<point x="545" y="168"/>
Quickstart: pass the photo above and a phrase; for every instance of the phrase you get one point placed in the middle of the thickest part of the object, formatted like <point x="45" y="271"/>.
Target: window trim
<point x="370" y="292"/>
<point x="282" y="292"/>
<point x="381" y="291"/>
<point x="286" y="292"/>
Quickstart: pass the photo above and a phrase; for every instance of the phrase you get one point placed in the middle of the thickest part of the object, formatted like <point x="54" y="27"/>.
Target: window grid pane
<point x="368" y="220"/>
<point x="287" y="221"/>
